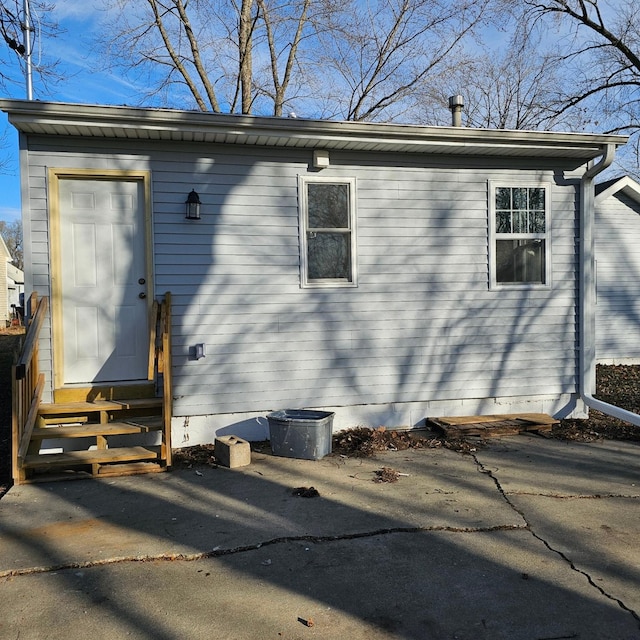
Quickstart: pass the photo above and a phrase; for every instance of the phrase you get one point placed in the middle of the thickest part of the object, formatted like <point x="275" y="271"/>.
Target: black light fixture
<point x="192" y="205"/>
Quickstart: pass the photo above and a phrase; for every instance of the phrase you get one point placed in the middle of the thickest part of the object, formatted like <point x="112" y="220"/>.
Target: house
<point x="11" y="285"/>
<point x="617" y="242"/>
<point x="384" y="272"/>
<point x="15" y="288"/>
<point x="5" y="259"/>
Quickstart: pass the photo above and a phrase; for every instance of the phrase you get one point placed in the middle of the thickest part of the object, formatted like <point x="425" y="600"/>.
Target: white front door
<point x="103" y="273"/>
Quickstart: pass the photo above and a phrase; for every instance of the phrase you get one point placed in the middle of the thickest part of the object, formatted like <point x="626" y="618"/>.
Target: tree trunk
<point x="245" y="33"/>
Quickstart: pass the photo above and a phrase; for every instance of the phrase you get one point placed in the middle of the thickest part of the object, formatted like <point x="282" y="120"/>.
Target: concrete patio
<point x="526" y="538"/>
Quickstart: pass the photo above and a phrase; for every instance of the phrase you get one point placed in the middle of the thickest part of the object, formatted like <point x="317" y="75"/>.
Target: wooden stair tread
<point x="106" y="391"/>
<point x="95" y="456"/>
<point x="130" y="469"/>
<point x="92" y="430"/>
<point x="99" y="405"/>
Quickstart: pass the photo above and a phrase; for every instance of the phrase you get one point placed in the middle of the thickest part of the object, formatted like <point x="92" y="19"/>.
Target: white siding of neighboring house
<point x="5" y="309"/>
<point x="15" y="282"/>
<point x="421" y="335"/>
<point x="617" y="250"/>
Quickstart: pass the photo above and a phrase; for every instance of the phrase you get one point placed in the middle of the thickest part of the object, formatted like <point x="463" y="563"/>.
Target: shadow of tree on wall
<point x="421" y="327"/>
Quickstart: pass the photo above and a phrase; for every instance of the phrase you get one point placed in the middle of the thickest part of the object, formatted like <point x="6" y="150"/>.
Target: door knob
<point x="142" y="294"/>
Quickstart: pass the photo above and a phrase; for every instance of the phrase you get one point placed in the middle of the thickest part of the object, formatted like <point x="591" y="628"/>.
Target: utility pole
<point x="26" y="33"/>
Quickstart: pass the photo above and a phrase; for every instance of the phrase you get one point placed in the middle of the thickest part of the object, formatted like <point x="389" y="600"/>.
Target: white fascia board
<point x="111" y="121"/>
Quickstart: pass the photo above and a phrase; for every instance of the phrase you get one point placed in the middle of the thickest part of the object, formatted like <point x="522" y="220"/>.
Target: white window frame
<point x="493" y="235"/>
<point x="305" y="282"/>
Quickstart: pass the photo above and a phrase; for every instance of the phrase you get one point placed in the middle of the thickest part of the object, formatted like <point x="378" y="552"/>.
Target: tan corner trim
<point x="54" y="175"/>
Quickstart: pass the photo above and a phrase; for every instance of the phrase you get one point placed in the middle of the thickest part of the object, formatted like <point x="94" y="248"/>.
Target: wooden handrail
<point x="27" y="384"/>
<point x="31" y="339"/>
<point x="30" y="423"/>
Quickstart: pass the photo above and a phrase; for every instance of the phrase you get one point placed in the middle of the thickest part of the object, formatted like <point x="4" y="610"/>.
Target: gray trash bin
<point x="301" y="433"/>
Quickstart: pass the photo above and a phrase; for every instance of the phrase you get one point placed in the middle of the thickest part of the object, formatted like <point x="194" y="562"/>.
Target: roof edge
<point x="85" y="117"/>
<point x="626" y="184"/>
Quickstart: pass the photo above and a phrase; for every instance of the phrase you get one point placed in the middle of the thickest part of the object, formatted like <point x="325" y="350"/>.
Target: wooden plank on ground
<point x="461" y="420"/>
<point x="492" y="426"/>
<point x="538" y="418"/>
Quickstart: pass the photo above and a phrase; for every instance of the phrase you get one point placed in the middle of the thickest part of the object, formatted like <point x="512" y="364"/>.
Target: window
<point x="327" y="232"/>
<point x="519" y="248"/>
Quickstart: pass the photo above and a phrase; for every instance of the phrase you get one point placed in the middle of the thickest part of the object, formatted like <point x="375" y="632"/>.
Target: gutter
<point x="54" y="118"/>
<point x="587" y="295"/>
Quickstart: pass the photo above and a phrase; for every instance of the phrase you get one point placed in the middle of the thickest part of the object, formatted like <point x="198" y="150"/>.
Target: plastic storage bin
<point x="301" y="433"/>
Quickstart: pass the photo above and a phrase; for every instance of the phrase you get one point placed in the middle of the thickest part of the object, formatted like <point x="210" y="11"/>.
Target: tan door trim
<point x="54" y="176"/>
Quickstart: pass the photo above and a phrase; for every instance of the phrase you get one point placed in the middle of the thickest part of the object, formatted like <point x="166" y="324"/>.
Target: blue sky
<point x="83" y="82"/>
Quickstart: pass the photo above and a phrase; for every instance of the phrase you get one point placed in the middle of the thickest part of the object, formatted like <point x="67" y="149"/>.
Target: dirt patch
<point x="362" y="442"/>
<point x="618" y="385"/>
<point x="198" y="456"/>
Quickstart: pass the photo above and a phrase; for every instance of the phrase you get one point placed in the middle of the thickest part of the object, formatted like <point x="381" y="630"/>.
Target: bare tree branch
<point x="280" y="85"/>
<point x="11" y="33"/>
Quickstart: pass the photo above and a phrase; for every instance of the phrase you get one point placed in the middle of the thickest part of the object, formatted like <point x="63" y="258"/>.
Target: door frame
<point x="55" y="175"/>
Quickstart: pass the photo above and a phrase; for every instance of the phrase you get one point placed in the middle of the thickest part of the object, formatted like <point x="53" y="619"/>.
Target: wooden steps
<point x="67" y="422"/>
<point x="107" y="429"/>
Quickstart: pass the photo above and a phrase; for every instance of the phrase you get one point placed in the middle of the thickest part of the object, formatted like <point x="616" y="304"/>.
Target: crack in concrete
<point x="622" y="605"/>
<point x="574" y="496"/>
<point x="218" y="552"/>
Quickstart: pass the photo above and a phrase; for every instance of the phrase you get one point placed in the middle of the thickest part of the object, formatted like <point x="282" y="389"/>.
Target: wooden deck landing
<point x="494" y="425"/>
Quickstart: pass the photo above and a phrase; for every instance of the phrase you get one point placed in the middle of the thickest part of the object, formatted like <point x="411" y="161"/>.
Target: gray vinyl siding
<point x="421" y="325"/>
<point x="617" y="242"/>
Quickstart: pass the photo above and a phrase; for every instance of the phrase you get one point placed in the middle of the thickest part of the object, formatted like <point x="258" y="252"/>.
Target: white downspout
<point x="587" y="295"/>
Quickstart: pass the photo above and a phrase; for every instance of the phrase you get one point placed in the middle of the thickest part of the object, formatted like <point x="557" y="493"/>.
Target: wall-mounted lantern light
<point x="192" y="205"/>
<point x="199" y="350"/>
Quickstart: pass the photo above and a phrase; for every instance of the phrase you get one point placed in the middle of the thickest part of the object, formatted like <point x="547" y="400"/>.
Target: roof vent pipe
<point x="456" y="104"/>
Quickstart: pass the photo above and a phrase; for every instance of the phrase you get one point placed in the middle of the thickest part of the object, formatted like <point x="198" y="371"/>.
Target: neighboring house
<point x="617" y="251"/>
<point x="12" y="285"/>
<point x="5" y="284"/>
<point x="384" y="272"/>
<point x="15" y="288"/>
